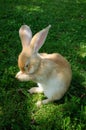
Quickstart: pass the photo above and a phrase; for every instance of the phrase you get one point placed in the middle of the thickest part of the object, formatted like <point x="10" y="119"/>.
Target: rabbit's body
<point x="56" y="82"/>
<point x="52" y="72"/>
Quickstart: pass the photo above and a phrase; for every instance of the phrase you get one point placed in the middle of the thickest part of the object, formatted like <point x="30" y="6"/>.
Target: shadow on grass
<point x="13" y="103"/>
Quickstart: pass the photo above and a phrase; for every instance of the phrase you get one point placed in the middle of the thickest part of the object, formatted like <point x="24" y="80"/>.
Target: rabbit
<point x="51" y="72"/>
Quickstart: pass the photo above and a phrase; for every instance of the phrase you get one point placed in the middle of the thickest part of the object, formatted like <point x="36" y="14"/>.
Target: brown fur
<point x="21" y="61"/>
<point x="62" y="66"/>
<point x="43" y="68"/>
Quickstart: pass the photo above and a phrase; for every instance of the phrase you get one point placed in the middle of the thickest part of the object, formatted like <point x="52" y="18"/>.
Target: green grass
<point x="68" y="37"/>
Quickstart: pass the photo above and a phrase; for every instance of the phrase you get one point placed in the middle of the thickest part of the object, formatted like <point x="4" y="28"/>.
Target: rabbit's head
<point x="29" y="60"/>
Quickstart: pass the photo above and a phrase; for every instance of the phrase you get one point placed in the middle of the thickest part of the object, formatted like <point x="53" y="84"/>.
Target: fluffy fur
<point x="52" y="72"/>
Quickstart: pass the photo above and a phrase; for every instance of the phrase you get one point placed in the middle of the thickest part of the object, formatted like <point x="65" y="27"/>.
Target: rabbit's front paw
<point x="22" y="76"/>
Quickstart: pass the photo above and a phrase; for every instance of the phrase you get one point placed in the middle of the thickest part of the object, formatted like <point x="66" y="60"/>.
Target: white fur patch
<point x="53" y="88"/>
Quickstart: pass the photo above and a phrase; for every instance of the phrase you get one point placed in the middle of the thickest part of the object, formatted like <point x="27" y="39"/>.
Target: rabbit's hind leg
<point x="46" y="101"/>
<point x="35" y="90"/>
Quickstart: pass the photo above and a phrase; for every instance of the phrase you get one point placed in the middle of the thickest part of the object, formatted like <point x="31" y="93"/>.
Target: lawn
<point x="67" y="36"/>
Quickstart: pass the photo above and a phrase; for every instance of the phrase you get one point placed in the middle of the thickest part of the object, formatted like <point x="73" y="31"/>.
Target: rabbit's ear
<point x="39" y="38"/>
<point x="25" y="35"/>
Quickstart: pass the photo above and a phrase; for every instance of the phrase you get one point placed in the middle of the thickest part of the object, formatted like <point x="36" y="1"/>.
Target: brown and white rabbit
<point x="52" y="72"/>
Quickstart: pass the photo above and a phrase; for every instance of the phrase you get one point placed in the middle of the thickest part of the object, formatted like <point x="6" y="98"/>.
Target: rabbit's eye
<point x="26" y="66"/>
